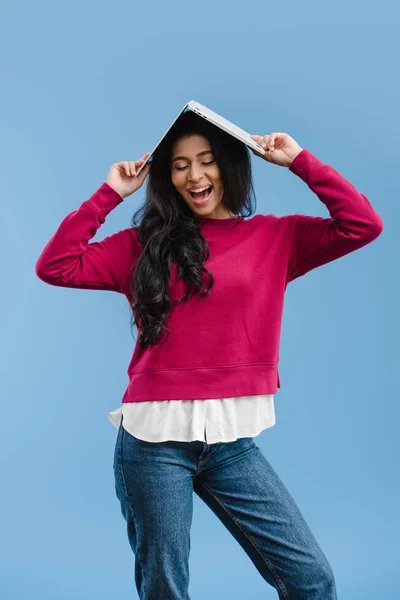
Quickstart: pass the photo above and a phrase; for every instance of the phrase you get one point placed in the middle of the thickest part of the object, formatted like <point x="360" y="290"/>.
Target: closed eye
<point x="204" y="163"/>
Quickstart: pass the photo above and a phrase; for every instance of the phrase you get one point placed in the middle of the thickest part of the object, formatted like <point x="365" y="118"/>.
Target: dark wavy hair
<point x="169" y="231"/>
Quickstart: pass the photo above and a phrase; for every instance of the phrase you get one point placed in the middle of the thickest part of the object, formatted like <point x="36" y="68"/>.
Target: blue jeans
<point x="154" y="483"/>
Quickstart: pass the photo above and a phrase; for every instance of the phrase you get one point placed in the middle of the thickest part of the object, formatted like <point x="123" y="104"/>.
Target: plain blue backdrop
<point x="88" y="84"/>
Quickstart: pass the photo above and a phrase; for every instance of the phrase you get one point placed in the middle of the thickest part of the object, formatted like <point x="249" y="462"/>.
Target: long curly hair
<point x="169" y="231"/>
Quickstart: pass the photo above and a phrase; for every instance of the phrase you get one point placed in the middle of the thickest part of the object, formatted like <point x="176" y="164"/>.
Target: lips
<point x="205" y="191"/>
<point x="203" y="188"/>
<point x="204" y="197"/>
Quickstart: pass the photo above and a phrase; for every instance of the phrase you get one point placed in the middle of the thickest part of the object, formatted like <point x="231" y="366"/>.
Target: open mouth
<point x="200" y="197"/>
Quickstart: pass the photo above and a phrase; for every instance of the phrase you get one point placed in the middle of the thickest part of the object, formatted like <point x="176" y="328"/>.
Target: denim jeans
<point x="154" y="483"/>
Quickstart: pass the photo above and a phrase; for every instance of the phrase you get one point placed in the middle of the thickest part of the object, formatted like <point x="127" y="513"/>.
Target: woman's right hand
<point x="121" y="176"/>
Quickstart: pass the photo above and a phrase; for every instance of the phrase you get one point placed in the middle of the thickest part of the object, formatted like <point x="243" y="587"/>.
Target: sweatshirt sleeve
<point x="69" y="260"/>
<point x="353" y="222"/>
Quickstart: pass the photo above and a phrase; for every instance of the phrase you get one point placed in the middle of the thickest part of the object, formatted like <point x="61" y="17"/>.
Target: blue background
<point x="88" y="84"/>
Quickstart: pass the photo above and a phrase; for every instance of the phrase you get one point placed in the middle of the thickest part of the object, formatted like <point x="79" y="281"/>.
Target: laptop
<point x="217" y="120"/>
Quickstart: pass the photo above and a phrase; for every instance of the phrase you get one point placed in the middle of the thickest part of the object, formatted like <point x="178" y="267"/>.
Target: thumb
<point x="144" y="172"/>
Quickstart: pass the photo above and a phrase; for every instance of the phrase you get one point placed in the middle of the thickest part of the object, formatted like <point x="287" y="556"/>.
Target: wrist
<point x="115" y="190"/>
<point x="296" y="154"/>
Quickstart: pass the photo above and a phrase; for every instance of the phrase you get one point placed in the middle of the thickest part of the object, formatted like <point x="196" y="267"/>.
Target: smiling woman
<point x="196" y="176"/>
<point x="192" y="407"/>
<point x="198" y="173"/>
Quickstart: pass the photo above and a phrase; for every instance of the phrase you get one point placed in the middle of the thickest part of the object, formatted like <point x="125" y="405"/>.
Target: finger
<point x="265" y="142"/>
<point x="271" y="141"/>
<point x="141" y="160"/>
<point x="126" y="167"/>
<point x="132" y="167"/>
<point x="143" y="172"/>
<point x="259" y="139"/>
<point x="275" y="137"/>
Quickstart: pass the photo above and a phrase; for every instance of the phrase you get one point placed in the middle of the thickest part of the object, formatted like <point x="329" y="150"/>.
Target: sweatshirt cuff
<point x="105" y="199"/>
<point x="304" y="164"/>
<point x="299" y="161"/>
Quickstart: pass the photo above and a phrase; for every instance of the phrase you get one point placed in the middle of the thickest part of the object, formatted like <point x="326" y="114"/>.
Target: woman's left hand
<point x="280" y="148"/>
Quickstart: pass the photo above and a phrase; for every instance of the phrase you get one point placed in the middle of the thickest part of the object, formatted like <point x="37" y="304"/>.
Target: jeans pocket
<point x="117" y="448"/>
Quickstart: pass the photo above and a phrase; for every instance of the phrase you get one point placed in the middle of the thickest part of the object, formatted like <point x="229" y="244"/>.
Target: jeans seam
<point x="127" y="500"/>
<point x="203" y="462"/>
<point x="264" y="558"/>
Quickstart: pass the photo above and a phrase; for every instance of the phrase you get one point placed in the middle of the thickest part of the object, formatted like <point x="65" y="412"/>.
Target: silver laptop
<point x="217" y="120"/>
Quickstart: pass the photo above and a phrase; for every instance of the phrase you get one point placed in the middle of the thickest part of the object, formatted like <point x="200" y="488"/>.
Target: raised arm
<point x="315" y="241"/>
<point x="69" y="260"/>
<point x="353" y="222"/>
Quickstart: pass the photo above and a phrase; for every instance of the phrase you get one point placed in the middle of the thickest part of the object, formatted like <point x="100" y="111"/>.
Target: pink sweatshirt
<point x="226" y="344"/>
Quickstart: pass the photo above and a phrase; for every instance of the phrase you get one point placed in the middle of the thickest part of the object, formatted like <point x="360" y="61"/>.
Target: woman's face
<point x="193" y="166"/>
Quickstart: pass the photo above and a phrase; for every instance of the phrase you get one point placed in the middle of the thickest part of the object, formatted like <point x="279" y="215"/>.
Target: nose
<point x="195" y="173"/>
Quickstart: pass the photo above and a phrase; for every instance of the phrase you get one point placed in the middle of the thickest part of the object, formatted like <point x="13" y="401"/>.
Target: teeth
<point x="200" y="189"/>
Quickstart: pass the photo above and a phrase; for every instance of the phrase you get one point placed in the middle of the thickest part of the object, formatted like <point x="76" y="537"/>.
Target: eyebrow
<point x="186" y="158"/>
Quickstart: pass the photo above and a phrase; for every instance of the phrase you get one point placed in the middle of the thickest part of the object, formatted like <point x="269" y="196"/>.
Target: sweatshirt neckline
<point x="219" y="222"/>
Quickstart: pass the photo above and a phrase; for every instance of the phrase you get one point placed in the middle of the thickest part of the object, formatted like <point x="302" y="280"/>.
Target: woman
<point x="196" y="399"/>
